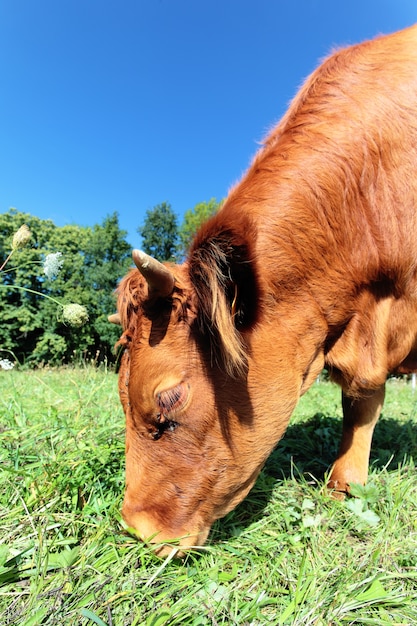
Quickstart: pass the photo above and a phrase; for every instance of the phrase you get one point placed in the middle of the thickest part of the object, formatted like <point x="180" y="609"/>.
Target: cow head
<point x="198" y="411"/>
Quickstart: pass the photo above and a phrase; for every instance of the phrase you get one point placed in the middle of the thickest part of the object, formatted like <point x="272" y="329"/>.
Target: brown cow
<point x="311" y="262"/>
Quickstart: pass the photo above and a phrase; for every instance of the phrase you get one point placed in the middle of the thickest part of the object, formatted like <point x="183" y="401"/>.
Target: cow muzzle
<point x="143" y="526"/>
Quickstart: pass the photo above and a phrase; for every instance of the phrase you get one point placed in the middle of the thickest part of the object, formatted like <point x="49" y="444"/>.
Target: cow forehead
<point x="162" y="357"/>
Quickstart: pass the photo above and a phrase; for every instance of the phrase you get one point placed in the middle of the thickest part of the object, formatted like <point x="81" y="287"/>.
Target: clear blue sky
<point x="112" y="105"/>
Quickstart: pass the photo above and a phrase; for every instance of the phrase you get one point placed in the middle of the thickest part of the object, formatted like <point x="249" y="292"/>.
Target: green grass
<point x="287" y="555"/>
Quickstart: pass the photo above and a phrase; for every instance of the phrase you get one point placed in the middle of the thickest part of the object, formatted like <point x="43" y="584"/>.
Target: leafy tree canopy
<point x="159" y="232"/>
<point x="193" y="219"/>
<point x="92" y="261"/>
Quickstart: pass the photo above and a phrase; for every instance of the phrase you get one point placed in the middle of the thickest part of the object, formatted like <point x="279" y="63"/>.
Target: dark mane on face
<point x="221" y="269"/>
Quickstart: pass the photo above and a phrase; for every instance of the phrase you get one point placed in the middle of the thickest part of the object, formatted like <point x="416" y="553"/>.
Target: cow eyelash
<point x="172" y="399"/>
<point x="168" y="401"/>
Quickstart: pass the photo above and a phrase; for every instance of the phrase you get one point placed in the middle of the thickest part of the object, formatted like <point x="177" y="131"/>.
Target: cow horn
<point x="159" y="278"/>
<point x="114" y="318"/>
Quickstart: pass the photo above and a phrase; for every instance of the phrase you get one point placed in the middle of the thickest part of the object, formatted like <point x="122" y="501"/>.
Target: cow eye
<point x="162" y="425"/>
<point x="172" y="399"/>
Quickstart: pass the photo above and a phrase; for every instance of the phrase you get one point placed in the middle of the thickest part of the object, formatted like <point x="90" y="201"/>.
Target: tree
<point x="193" y="219"/>
<point x="160" y="232"/>
<point x="20" y="281"/>
<point x="92" y="261"/>
<point x="108" y="257"/>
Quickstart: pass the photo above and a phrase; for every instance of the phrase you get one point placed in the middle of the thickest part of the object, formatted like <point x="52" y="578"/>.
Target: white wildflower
<point x="52" y="264"/>
<point x="5" y="364"/>
<point x="74" y="314"/>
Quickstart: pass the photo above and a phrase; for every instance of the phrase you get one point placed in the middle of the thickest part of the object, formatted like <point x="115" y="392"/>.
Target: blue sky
<point x="112" y="105"/>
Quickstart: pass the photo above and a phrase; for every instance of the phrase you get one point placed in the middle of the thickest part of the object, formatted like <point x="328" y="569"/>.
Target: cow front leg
<point x="359" y="418"/>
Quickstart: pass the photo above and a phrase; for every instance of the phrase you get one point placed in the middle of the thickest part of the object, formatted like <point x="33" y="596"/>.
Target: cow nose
<point x="180" y="546"/>
<point x="163" y="540"/>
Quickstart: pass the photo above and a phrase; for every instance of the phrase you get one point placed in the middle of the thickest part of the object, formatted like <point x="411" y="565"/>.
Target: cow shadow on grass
<point x="308" y="449"/>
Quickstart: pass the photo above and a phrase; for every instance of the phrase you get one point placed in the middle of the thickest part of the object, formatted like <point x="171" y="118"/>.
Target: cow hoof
<point x="337" y="490"/>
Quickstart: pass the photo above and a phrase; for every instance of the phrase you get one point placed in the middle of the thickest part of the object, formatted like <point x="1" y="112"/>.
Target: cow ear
<point x="114" y="318"/>
<point x="223" y="275"/>
<point x="131" y="292"/>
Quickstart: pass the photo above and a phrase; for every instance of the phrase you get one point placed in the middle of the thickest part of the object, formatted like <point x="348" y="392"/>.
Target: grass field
<point x="287" y="555"/>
